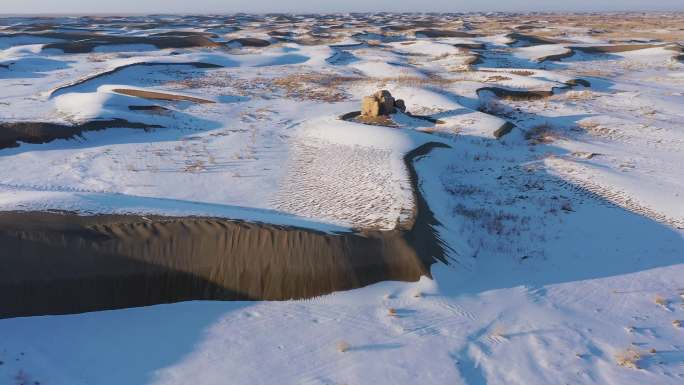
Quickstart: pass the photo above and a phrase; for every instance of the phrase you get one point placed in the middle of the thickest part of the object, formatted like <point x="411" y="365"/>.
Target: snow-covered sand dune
<point x="557" y="192"/>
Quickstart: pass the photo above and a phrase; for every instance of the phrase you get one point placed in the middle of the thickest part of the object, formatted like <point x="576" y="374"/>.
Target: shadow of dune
<point x="31" y="67"/>
<point x="375" y="347"/>
<point x="599" y="238"/>
<point x="132" y="344"/>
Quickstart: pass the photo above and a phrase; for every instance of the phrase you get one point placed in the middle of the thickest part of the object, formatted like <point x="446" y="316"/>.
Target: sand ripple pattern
<point x="620" y="199"/>
<point x="353" y="186"/>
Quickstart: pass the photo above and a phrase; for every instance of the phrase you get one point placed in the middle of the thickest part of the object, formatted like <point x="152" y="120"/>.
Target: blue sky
<point x="227" y="6"/>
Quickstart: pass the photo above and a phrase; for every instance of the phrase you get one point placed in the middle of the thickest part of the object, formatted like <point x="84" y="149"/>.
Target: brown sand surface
<point x="616" y="48"/>
<point x="434" y="33"/>
<point x="531" y="39"/>
<point x="154" y="95"/>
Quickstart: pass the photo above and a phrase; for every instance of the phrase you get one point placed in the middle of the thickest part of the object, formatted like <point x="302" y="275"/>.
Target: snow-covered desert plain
<point x="552" y="182"/>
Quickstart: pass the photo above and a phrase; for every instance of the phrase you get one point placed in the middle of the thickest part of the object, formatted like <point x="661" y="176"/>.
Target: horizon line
<point x="48" y="14"/>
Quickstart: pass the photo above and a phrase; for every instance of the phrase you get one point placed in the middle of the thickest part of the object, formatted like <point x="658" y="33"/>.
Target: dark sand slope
<point x="515" y="94"/>
<point x="470" y="46"/>
<point x="250" y="42"/>
<point x="154" y="95"/>
<point x="557" y="57"/>
<point x="43" y="132"/>
<point x="519" y="39"/>
<point x="57" y="263"/>
<point x="161" y="42"/>
<point x="599" y="49"/>
<point x="84" y="42"/>
<point x="436" y="33"/>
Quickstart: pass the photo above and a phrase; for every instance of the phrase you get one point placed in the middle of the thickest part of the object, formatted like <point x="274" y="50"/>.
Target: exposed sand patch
<point x="616" y="48"/>
<point x="432" y="33"/>
<point x="154" y="95"/>
<point x="43" y="132"/>
<point x="530" y="40"/>
<point x="84" y="43"/>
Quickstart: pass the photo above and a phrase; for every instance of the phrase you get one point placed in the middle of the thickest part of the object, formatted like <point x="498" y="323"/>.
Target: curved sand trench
<point x="58" y="263"/>
<point x="525" y="94"/>
<point x="513" y="94"/>
<point x="199" y="65"/>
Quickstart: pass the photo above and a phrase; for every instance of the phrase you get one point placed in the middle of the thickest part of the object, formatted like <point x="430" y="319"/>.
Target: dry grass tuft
<point x="195" y="166"/>
<point x="314" y="86"/>
<point x="392" y="312"/>
<point x="594" y="73"/>
<point x="413" y="81"/>
<point x="494" y="107"/>
<point x="661" y="301"/>
<point x="542" y="134"/>
<point x="342" y="346"/>
<point x="629" y="358"/>
<point x="498" y="332"/>
<point x="677" y="323"/>
<point x="578" y="95"/>
<point x="496" y="78"/>
<point x="522" y="72"/>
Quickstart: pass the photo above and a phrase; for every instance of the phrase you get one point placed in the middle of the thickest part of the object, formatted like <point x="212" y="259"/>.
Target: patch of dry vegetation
<point x="522" y="72"/>
<point x="576" y="95"/>
<point x="628" y="358"/>
<point x="599" y="130"/>
<point x="661" y="301"/>
<point x="496" y="79"/>
<point x="313" y="86"/>
<point x="342" y="346"/>
<point x="544" y="133"/>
